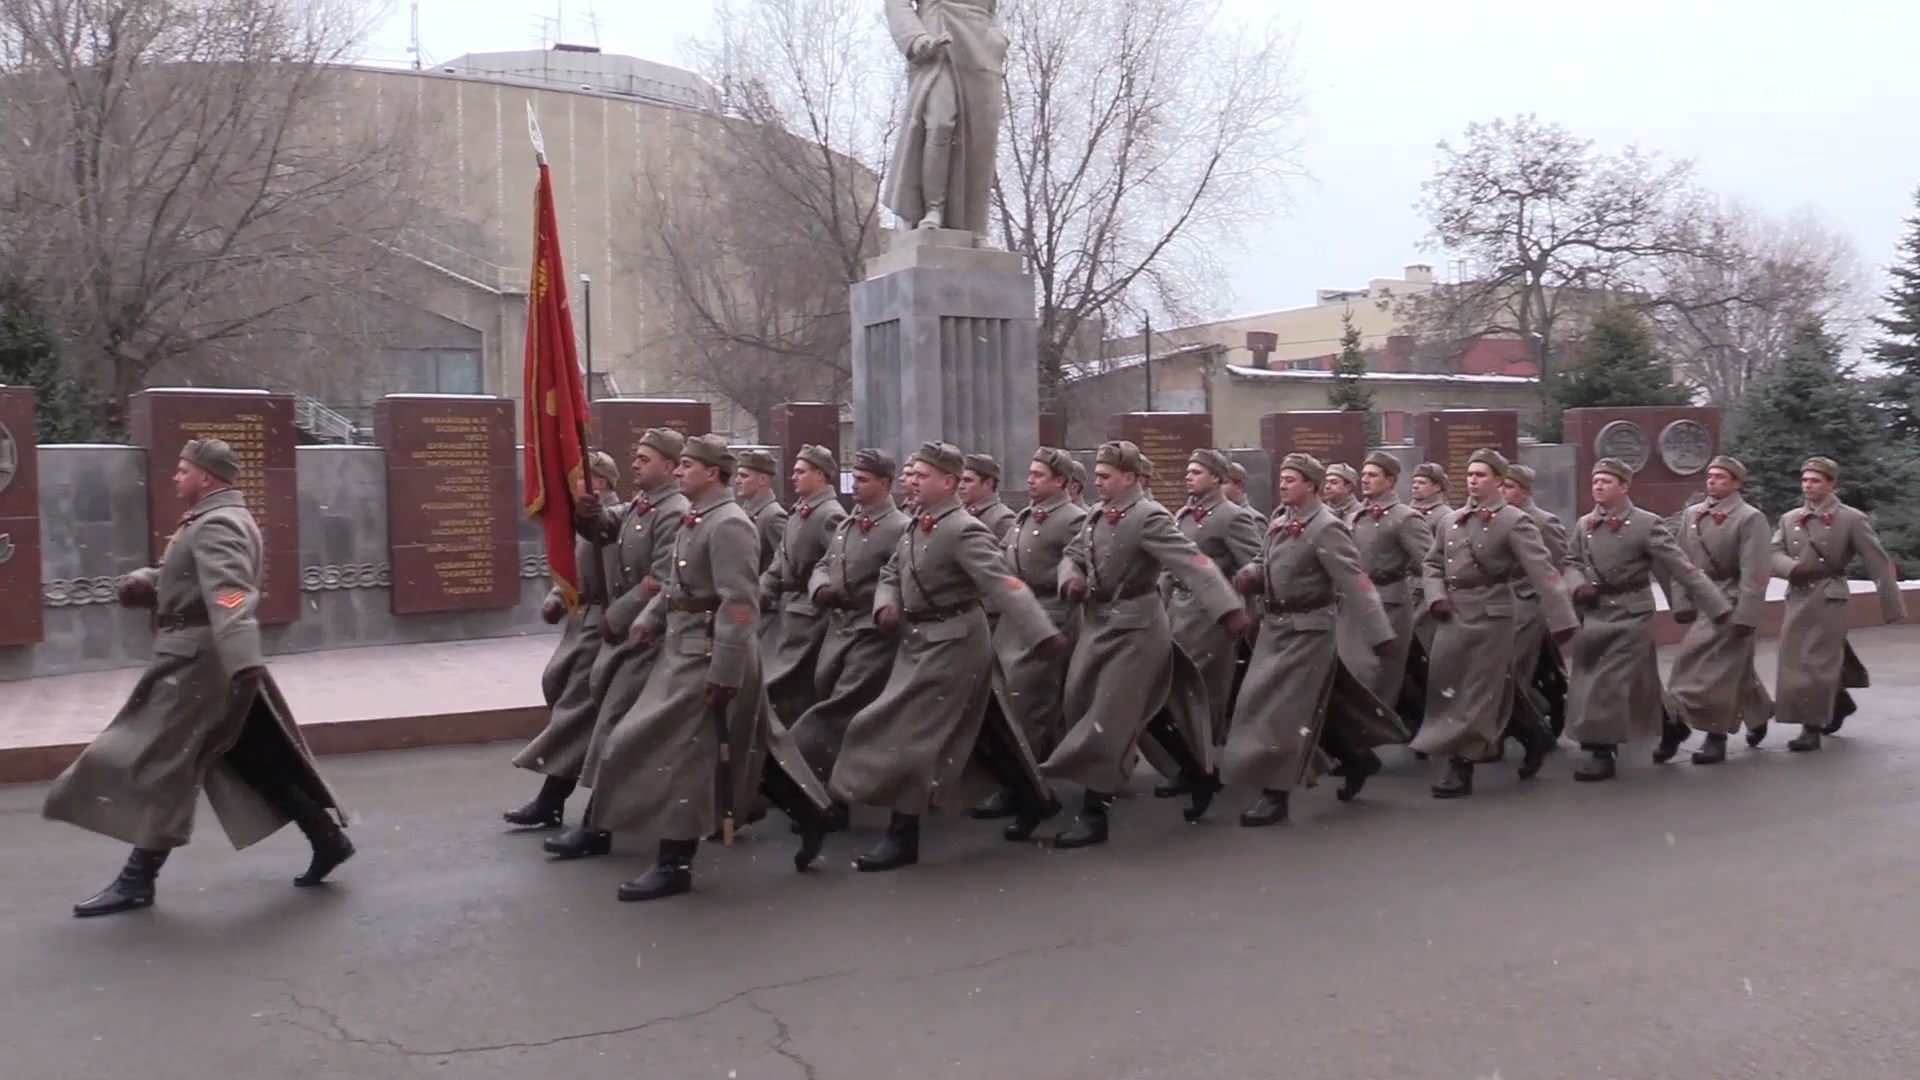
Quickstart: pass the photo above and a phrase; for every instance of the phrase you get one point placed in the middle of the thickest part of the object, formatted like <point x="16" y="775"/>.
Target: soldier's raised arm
<point x="1783" y="563"/>
<point x="1340" y="557"/>
<point x="1433" y="570"/>
<point x="1556" y="603"/>
<point x="1756" y="570"/>
<point x="1073" y="561"/>
<point x="887" y="593"/>
<point x="979" y="555"/>
<point x="1701" y="593"/>
<point x="1575" y="570"/>
<point x="223" y="558"/>
<point x="1177" y="555"/>
<point x="1886" y="577"/>
<point x="1244" y="541"/>
<point x="1415" y="534"/>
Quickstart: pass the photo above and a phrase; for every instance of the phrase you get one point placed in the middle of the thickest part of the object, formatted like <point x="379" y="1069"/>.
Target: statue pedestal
<point x="944" y="349"/>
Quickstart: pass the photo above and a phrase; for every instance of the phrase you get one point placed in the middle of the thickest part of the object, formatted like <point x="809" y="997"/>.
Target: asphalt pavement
<point x="1758" y="919"/>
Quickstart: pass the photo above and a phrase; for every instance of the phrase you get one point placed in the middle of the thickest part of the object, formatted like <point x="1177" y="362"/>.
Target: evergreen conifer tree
<point x="1898" y="347"/>
<point x="1617" y="365"/>
<point x="30" y="355"/>
<point x="1349" y="392"/>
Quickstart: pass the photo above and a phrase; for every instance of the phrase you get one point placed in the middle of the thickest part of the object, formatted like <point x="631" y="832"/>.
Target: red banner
<point x="556" y="399"/>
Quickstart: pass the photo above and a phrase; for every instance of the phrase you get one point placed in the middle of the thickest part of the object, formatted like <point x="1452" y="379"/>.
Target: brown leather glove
<point x="1586" y="596"/>
<point x="1237" y="622"/>
<point x="1074" y="591"/>
<point x="888" y="620"/>
<point x="638" y="635"/>
<point x="249" y="677"/>
<point x="1053" y="648"/>
<point x="719" y="697"/>
<point x="1561" y="637"/>
<point x="1385" y="648"/>
<point x="1441" y="610"/>
<point x="1741" y="630"/>
<point x="1247" y="581"/>
<point x="1801" y="574"/>
<point x="553" y="610"/>
<point x="1685" y="617"/>
<point x="134" y="592"/>
<point x="825" y="597"/>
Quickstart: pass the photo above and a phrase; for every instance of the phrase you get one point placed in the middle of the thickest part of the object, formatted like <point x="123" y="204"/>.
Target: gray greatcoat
<point x="1813" y="637"/>
<point x="997" y="516"/>
<point x="1434" y="509"/>
<point x="567" y="683"/>
<point x="1713" y="686"/>
<point x="139" y="780"/>
<point x="1613" y="691"/>
<point x="1232" y="540"/>
<point x="856" y="658"/>
<point x="1392" y="539"/>
<point x="790" y="645"/>
<point x="1530" y="625"/>
<point x="1029" y="686"/>
<point x="913" y="749"/>
<point x="770" y="519"/>
<point x="1479" y="553"/>
<point x="663" y="760"/>
<point x="1125" y="665"/>
<point x="643" y="544"/>
<point x="1311" y="580"/>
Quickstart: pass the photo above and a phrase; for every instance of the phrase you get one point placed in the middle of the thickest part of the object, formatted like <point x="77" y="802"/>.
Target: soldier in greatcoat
<point x="1614" y="678"/>
<point x="856" y="658"/>
<point x="560" y="750"/>
<point x="928" y="741"/>
<point x="205" y="714"/>
<point x="753" y="485"/>
<point x="1713" y="686"/>
<point x="980" y="491"/>
<point x="1812" y="547"/>
<point x="1427" y="490"/>
<point x="1392" y="539"/>
<point x="790" y="646"/>
<point x="1426" y="496"/>
<point x="1479" y="552"/>
<point x="1539" y="673"/>
<point x="1236" y="488"/>
<point x="1308" y="573"/>
<point x="1236" y="492"/>
<point x="1339" y="493"/>
<point x="702" y="742"/>
<point x="1027" y="685"/>
<point x="1232" y="540"/>
<point x="1127" y="678"/>
<point x="640" y="535"/>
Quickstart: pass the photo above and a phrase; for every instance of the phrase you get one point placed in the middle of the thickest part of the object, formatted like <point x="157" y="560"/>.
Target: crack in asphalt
<point x="1030" y="950"/>
<point x="338" y="1031"/>
<point x="782" y="1036"/>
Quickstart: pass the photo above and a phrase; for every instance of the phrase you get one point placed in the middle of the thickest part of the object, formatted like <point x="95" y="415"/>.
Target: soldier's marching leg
<point x="1599" y="765"/>
<point x="1713" y="751"/>
<point x="1090" y="824"/>
<point x="547" y="808"/>
<point x="900" y="847"/>
<point x="1458" y="782"/>
<point x="1808" y="739"/>
<point x="1672" y="734"/>
<point x="1530" y="729"/>
<point x="670" y="875"/>
<point x="1357" y="761"/>
<point x="582" y="841"/>
<point x="1198" y="784"/>
<point x="1028" y="803"/>
<point x="131" y="889"/>
<point x="1843" y="707"/>
<point x="260" y="768"/>
<point x="809" y="822"/>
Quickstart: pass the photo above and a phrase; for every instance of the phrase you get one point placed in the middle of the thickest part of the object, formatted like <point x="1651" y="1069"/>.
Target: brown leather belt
<point x="852" y="603"/>
<point x="1618" y="588"/>
<point x="1128" y="592"/>
<point x="1389" y="579"/>
<point x="1045" y="589"/>
<point x="696" y="605"/>
<point x="1719" y="577"/>
<point x="181" y="621"/>
<point x="1297" y="605"/>
<point x="943" y="611"/>
<point x="1480" y="582"/>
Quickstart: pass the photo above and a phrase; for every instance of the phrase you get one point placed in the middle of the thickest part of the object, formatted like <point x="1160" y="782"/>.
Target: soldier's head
<point x="1236" y="485"/>
<point x="936" y="472"/>
<point x="1817" y="478"/>
<point x="1206" y="473"/>
<point x="1612" y="479"/>
<point x="1077" y="483"/>
<point x="1379" y="475"/>
<point x="1299" y="480"/>
<point x="813" y="471"/>
<point x="872" y="475"/>
<point x="1118" y="468"/>
<point x="980" y="479"/>
<point x="1725" y="475"/>
<point x="1429" y="480"/>
<point x="206" y="466"/>
<point x="656" y="456"/>
<point x="1048" y="473"/>
<point x="755" y="472"/>
<point x="706" y="464"/>
<point x="1487" y="469"/>
<point x="1340" y="482"/>
<point x="606" y="475"/>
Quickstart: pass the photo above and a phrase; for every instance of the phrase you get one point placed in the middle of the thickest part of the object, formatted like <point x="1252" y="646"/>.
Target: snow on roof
<point x="1310" y="374"/>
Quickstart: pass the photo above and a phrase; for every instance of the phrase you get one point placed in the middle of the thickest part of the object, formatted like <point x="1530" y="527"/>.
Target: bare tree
<point x="1728" y="311"/>
<point x="190" y="184"/>
<point x="1142" y="138"/>
<point x="1550" y="231"/>
<point x="761" y="228"/>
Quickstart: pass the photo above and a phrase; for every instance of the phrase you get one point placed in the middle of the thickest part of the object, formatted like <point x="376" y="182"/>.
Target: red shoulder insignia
<point x="1366" y="583"/>
<point x="1202" y="560"/>
<point x="231" y="600"/>
<point x="742" y="613"/>
<point x="1014" y="583"/>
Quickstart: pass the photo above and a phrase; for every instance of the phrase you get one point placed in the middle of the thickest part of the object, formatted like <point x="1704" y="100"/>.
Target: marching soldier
<point x="753" y="486"/>
<point x="641" y="535"/>
<point x="1236" y="492"/>
<point x="913" y="748"/>
<point x="856" y="658"/>
<point x="1127" y="678"/>
<point x="1539" y="674"/>
<point x="1812" y="548"/>
<point x="1427" y="493"/>
<point x="1713" y="686"/>
<point x="1232" y="540"/>
<point x="205" y="714"/>
<point x="1077" y="485"/>
<point x="1338" y="492"/>
<point x="1236" y="488"/>
<point x="980" y="490"/>
<point x="1428" y="489"/>
<point x="790" y="647"/>
<point x="560" y="750"/>
<point x="1479" y="552"/>
<point x="1614" y="694"/>
<point x="1307" y="565"/>
<point x="1392" y="541"/>
<point x="702" y="740"/>
<point x="1028" y="685"/>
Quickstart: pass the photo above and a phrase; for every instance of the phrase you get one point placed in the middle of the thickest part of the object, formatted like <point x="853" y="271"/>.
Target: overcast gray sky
<point x="1784" y="103"/>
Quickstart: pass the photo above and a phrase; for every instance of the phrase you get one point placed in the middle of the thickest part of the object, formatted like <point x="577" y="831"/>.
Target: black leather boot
<point x="999" y="805"/>
<point x="900" y="847"/>
<point x="1028" y="818"/>
<point x="1599" y="766"/>
<point x="1843" y="707"/>
<point x="671" y="875"/>
<point x="330" y="844"/>
<point x="1672" y="734"/>
<point x="580" y="842"/>
<point x="1757" y="735"/>
<point x="1200" y="793"/>
<point x="1711" y="752"/>
<point x="814" y="827"/>
<point x="1360" y="766"/>
<point x="1090" y="825"/>
<point x="1270" y="810"/>
<point x="131" y="889"/>
<point x="544" y="812"/>
<point x="1173" y="789"/>
<point x="1538" y="742"/>
<point x="1808" y="739"/>
<point x="1458" y="782"/>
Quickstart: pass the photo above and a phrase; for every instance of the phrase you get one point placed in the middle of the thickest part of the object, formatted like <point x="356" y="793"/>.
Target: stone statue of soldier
<point x="942" y="168"/>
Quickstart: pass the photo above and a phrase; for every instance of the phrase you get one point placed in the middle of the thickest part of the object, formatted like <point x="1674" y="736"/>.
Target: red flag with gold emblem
<point x="556" y="398"/>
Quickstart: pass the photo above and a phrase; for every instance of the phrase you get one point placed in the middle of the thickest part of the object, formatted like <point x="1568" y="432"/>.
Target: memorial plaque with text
<point x="800" y="423"/>
<point x="1668" y="447"/>
<point x="1168" y="439"/>
<point x="22" y="621"/>
<point x="1452" y="435"/>
<point x="453" y="501"/>
<point x="1328" y="435"/>
<point x="259" y="427"/>
<point x="618" y="424"/>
